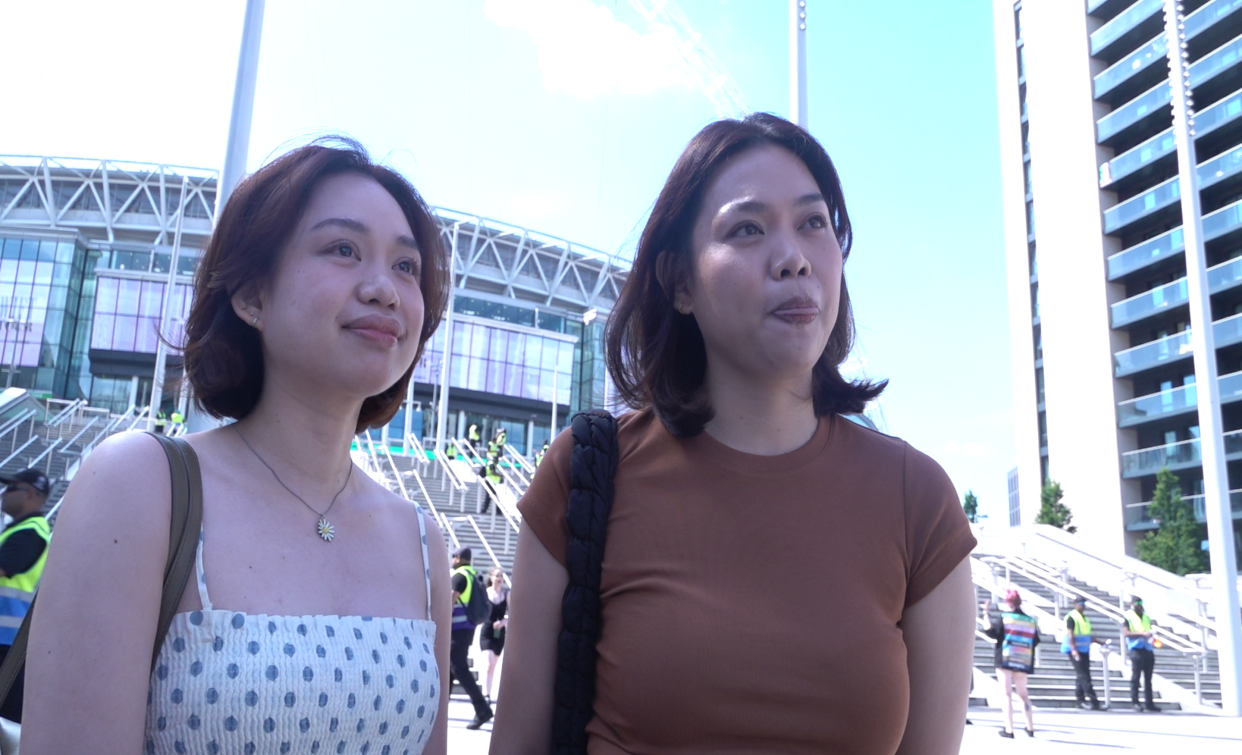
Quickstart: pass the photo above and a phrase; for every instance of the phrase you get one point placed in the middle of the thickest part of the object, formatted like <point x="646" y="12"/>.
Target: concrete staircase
<point x="1052" y="683"/>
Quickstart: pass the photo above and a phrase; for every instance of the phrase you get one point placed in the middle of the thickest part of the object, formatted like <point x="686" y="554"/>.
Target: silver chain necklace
<point x="324" y="529"/>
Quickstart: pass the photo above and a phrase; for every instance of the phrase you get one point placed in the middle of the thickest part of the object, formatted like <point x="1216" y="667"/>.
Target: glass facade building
<point x="85" y="252"/>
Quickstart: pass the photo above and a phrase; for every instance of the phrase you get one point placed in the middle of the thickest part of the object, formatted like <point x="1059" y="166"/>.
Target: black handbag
<point x="592" y="471"/>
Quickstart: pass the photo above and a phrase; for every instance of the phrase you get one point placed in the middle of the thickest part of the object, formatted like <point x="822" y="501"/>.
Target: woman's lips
<point x="798" y="310"/>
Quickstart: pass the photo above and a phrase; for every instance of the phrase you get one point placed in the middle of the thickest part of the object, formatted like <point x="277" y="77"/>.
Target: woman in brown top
<point x="740" y="485"/>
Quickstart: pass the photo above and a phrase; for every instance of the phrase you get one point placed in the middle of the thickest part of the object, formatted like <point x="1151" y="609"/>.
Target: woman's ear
<point x="248" y="305"/>
<point x="674" y="283"/>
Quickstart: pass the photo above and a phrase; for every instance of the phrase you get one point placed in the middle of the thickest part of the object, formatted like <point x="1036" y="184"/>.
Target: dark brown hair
<point x="223" y="355"/>
<point x="656" y="355"/>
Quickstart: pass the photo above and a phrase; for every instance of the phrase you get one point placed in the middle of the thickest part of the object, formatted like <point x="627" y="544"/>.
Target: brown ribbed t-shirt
<point x="752" y="603"/>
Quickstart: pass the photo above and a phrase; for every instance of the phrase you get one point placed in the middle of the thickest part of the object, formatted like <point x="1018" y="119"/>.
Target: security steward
<point x="1137" y="630"/>
<point x="1077" y="644"/>
<point x="23" y="552"/>
<point x="462" y="637"/>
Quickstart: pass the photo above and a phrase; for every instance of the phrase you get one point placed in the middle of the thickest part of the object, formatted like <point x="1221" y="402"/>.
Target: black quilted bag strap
<point x="593" y="467"/>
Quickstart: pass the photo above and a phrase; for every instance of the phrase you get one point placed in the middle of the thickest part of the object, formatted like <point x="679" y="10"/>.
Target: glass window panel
<point x="457" y="372"/>
<point x="57" y="298"/>
<point x="38" y="298"/>
<point x="101" y="332"/>
<point x="47" y="251"/>
<point x="30" y="249"/>
<point x="30" y="354"/>
<point x="478" y="341"/>
<point x="105" y="295"/>
<point x="461" y="334"/>
<point x="43" y="272"/>
<point x="565" y="363"/>
<point x="12" y="249"/>
<point x="152" y="296"/>
<point x="147" y="341"/>
<point x="61" y="272"/>
<point x="181" y="301"/>
<point x="64" y="252"/>
<point x="26" y="271"/>
<point x="517" y="344"/>
<point x="514" y="376"/>
<point x="8" y="270"/>
<point x="550" y="353"/>
<point x="499" y="345"/>
<point x="545" y="385"/>
<point x="477" y="378"/>
<point x="186" y="263"/>
<point x="127" y="297"/>
<point x="533" y="353"/>
<point x="495" y="376"/>
<point x="126" y="329"/>
<point x="52" y="326"/>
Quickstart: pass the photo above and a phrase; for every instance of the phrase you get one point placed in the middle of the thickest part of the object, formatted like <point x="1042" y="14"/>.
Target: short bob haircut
<point x="656" y="355"/>
<point x="223" y="355"/>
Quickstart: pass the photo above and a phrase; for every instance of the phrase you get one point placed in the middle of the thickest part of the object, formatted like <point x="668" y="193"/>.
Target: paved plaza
<point x="1056" y="732"/>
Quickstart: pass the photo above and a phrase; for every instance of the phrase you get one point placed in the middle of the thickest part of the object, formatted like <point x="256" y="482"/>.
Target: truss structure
<point x="130" y="205"/>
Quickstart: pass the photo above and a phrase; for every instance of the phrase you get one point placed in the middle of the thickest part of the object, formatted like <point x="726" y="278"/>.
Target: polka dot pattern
<point x="227" y="682"/>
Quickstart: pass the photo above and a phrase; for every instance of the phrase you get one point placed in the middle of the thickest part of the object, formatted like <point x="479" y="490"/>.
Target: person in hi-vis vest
<point x="1136" y="628"/>
<point x="23" y="552"/>
<point x="1077" y="644"/>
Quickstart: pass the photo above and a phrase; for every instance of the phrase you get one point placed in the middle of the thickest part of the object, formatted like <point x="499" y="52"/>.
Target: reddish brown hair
<point x="223" y="355"/>
<point x="656" y="355"/>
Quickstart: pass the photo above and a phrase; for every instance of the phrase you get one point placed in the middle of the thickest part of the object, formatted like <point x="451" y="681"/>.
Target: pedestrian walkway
<point x="1081" y="732"/>
<point x="1057" y="732"/>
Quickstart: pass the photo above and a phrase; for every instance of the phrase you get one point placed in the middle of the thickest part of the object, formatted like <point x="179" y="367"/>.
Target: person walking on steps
<point x="1077" y="645"/>
<point x="463" y="636"/>
<point x="1138" y="633"/>
<point x="473" y="436"/>
<point x="23" y="552"/>
<point x="492" y="635"/>
<point x="1016" y="635"/>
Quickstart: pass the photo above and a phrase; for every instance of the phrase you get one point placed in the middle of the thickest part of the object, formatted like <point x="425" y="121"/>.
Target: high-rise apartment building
<point x="1104" y="374"/>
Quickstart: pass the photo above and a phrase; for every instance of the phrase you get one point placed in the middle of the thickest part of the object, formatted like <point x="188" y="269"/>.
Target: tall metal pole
<point x="238" y="147"/>
<point x="554" y="407"/>
<point x="1203" y="341"/>
<point x="170" y="288"/>
<point x="442" y="407"/>
<point x="797" y="62"/>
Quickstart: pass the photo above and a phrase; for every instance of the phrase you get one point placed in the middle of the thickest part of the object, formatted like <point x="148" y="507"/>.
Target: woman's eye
<point x="818" y="221"/>
<point x="346" y="250"/>
<point x="408" y="267"/>
<point x="747" y="229"/>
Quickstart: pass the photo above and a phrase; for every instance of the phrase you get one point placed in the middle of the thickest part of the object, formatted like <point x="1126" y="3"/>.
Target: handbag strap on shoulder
<point x="187" y="519"/>
<point x="593" y="468"/>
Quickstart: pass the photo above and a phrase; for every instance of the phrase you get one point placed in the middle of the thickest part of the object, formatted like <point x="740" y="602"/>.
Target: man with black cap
<point x="1077" y="644"/>
<point x="1136" y="628"/>
<point x="464" y="583"/>
<point x="23" y="552"/>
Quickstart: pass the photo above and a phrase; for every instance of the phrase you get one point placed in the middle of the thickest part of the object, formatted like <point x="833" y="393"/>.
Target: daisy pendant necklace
<point x="324" y="529"/>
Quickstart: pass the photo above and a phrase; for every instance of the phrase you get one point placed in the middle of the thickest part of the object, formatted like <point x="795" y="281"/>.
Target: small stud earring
<point x="254" y="320"/>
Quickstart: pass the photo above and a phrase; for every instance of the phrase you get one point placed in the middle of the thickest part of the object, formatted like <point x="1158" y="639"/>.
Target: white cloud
<point x="585" y="52"/>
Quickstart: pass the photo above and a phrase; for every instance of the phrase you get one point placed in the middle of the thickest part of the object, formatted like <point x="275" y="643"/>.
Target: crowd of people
<point x="311" y="625"/>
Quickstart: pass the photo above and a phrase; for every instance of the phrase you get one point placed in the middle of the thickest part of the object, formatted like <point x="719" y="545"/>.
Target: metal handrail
<point x="1170" y="639"/>
<point x="142" y="417"/>
<point x="473" y="457"/>
<point x="16" y="422"/>
<point x="527" y="468"/>
<point x="74" y="439"/>
<point x="449" y="474"/>
<point x="482" y="539"/>
<point x="63" y="414"/>
<point x="35" y="461"/>
<point x="23" y="447"/>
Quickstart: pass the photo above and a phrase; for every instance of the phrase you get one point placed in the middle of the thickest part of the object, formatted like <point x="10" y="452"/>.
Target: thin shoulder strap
<point x="186" y="529"/>
<point x="187" y="519"/>
<point x="422" y="536"/>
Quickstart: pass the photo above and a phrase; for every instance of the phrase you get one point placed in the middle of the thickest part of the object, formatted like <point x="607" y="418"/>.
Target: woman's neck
<point x="302" y="438"/>
<point x="766" y="418"/>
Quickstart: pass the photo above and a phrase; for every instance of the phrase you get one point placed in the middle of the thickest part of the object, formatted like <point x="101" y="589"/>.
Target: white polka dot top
<point x="229" y="682"/>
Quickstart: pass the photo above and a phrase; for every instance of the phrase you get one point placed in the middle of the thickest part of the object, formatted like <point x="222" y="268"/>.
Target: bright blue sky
<point x="565" y="116"/>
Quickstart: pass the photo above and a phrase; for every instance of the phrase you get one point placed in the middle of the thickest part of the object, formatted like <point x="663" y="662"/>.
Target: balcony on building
<point x="1185" y="454"/>
<point x="1173" y="348"/>
<point x="1134" y="25"/>
<point x="1138" y="515"/>
<point x="1174" y="402"/>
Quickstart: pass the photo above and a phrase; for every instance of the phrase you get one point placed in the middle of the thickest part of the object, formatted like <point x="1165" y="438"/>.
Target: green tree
<point x="971" y="507"/>
<point x="1175" y="546"/>
<point x="1052" y="511"/>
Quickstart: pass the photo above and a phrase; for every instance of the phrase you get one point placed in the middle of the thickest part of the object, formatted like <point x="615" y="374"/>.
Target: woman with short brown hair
<point x="739" y="478"/>
<point x="318" y="620"/>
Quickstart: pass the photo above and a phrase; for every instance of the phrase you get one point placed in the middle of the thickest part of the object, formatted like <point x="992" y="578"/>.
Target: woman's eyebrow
<point x="755" y="206"/>
<point x="350" y="223"/>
